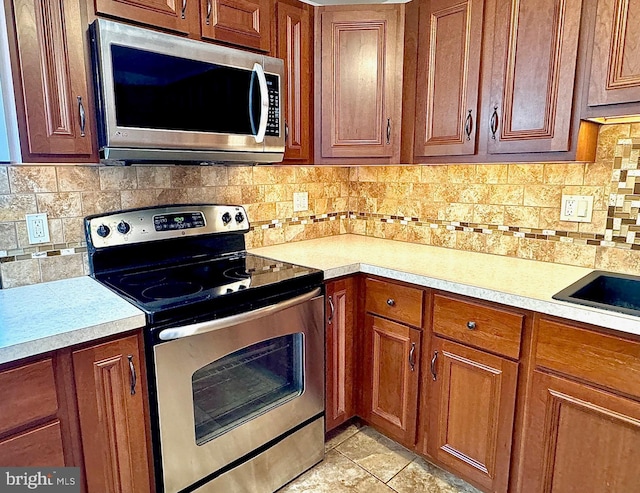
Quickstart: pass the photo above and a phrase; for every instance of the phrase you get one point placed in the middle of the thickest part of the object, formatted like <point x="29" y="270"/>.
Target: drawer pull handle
<point x="471" y="325"/>
<point x="391" y="302"/>
<point x="184" y="9"/>
<point x="331" y="311"/>
<point x="208" y="20"/>
<point x="433" y="365"/>
<point x="412" y="356"/>
<point x="132" y="371"/>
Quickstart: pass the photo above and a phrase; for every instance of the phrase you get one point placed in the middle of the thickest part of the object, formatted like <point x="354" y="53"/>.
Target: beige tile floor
<point x="361" y="460"/>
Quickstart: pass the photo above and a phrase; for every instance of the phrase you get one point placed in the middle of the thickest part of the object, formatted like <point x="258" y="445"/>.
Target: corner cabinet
<point x="111" y="389"/>
<point x="341" y="310"/>
<point x="359" y="80"/>
<point x="294" y="28"/>
<point x="50" y="79"/>
<point x="448" y="77"/>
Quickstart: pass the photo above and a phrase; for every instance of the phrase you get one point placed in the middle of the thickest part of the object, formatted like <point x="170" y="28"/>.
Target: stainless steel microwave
<point x="162" y="98"/>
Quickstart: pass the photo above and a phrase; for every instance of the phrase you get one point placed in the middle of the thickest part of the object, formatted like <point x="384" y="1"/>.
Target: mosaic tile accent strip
<point x="623" y="217"/>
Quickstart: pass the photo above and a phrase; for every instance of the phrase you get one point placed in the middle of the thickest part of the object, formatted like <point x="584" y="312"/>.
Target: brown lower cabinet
<point x="391" y="377"/>
<point x="340" y="340"/>
<point x="82" y="407"/>
<point x="579" y="438"/>
<point x="110" y="385"/>
<point x="472" y="397"/>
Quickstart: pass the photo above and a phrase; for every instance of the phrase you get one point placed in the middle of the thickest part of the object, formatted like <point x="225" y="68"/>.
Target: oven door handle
<point x="204" y="327"/>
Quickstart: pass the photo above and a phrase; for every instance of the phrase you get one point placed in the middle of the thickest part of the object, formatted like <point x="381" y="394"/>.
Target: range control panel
<point x="158" y="223"/>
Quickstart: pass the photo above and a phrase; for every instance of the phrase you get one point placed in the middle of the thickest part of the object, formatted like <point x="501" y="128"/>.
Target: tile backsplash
<point x="504" y="209"/>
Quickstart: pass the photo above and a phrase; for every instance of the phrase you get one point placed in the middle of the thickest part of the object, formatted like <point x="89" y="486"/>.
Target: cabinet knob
<point x="391" y="302"/>
<point x="471" y="325"/>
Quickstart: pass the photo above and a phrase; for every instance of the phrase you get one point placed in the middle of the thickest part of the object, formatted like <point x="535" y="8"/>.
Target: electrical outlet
<point x="37" y="228"/>
<point x="300" y="201"/>
<point x="576" y="208"/>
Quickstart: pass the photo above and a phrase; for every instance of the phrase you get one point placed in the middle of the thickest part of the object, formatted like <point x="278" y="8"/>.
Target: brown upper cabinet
<point x="358" y="58"/>
<point x="448" y="78"/>
<point x="240" y="22"/>
<point x="294" y="27"/>
<point x="180" y="16"/>
<point x="614" y="82"/>
<point x="533" y="75"/>
<point x="50" y="78"/>
<point x="495" y="81"/>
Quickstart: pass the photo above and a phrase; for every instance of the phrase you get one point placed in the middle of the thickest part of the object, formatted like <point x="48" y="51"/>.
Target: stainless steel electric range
<point x="234" y="343"/>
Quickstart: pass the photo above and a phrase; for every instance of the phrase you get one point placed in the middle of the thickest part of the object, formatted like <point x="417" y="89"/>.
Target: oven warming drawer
<point x="263" y="474"/>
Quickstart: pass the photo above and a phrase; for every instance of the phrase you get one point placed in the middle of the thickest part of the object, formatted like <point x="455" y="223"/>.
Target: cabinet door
<point x="360" y="110"/>
<point x="294" y="45"/>
<point x="448" y="85"/>
<point x="180" y="16"/>
<point x="579" y="439"/>
<point x="615" y="65"/>
<point x="109" y="385"/>
<point x="341" y="316"/>
<point x="471" y="413"/>
<point x="240" y="22"/>
<point x="534" y="66"/>
<point x="52" y="76"/>
<point x="392" y="353"/>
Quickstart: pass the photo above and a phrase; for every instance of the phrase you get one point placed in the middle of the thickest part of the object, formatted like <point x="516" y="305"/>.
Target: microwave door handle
<point x="264" y="103"/>
<point x="222" y="323"/>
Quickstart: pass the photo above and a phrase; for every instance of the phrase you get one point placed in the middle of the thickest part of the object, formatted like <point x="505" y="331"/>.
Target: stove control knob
<point x="123" y="227"/>
<point x="226" y="218"/>
<point x="239" y="217"/>
<point x="103" y="231"/>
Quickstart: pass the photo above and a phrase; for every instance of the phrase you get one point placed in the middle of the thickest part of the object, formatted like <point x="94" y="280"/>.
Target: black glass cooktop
<point x="210" y="288"/>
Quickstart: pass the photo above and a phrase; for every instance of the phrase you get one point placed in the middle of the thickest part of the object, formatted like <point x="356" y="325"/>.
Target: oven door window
<point x="245" y="384"/>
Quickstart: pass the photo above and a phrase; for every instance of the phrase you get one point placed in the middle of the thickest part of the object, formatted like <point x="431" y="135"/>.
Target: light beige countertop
<point x="52" y="315"/>
<point x="511" y="281"/>
<point x="48" y="316"/>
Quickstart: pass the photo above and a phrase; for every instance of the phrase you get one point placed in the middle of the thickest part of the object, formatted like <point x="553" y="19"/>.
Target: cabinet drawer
<point x="28" y="394"/>
<point x="400" y="303"/>
<point x="41" y="447"/>
<point x="603" y="359"/>
<point x="493" y="329"/>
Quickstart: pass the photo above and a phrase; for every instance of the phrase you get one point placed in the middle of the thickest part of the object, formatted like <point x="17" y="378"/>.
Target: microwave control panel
<point x="273" y="121"/>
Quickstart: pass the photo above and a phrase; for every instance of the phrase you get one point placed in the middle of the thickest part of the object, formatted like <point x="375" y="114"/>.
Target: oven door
<point x="227" y="387"/>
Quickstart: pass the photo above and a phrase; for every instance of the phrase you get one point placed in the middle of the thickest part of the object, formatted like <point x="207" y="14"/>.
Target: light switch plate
<point x="576" y="208"/>
<point x="300" y="201"/>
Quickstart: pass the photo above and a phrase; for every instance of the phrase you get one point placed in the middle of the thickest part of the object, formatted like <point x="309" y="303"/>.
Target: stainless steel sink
<point x="606" y="290"/>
